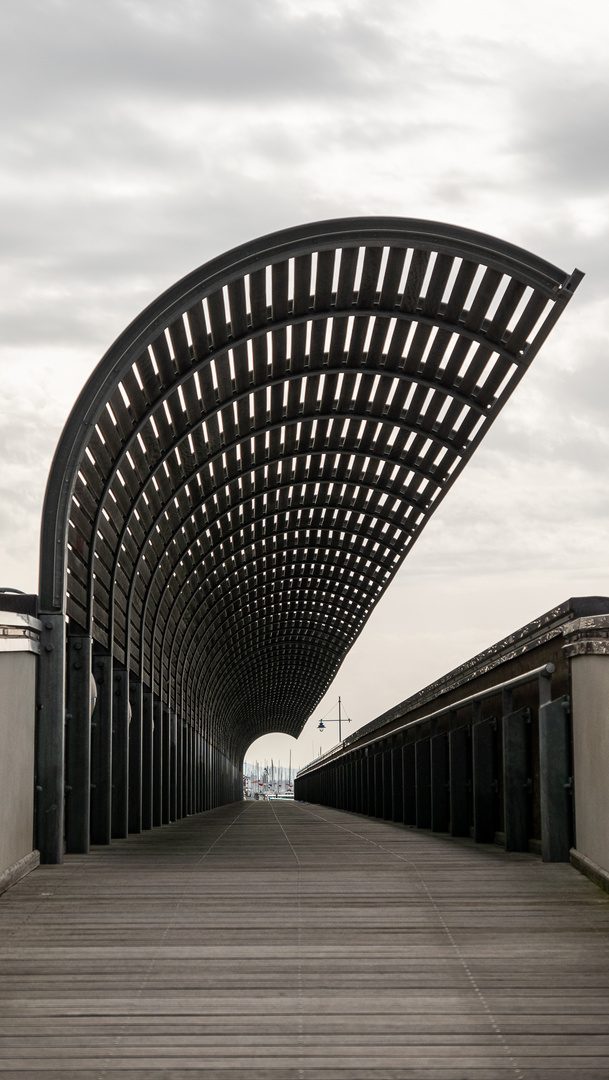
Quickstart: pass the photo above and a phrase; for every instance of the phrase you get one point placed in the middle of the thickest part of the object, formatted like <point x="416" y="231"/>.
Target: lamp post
<point x="340" y="720"/>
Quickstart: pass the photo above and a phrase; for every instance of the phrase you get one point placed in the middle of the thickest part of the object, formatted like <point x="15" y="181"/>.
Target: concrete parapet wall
<point x="19" y="635"/>
<point x="587" y="649"/>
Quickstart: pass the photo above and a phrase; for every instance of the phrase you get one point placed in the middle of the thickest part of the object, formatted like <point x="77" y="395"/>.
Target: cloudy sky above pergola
<point x="142" y="138"/>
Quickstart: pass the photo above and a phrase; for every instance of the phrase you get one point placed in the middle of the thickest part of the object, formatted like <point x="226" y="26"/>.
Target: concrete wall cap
<point x="587" y="625"/>
<point x="19" y="633"/>
<point x="588" y="636"/>
<point x="586" y="647"/>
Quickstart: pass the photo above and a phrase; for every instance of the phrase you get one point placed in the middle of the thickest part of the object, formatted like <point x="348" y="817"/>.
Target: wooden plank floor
<point x="299" y="943"/>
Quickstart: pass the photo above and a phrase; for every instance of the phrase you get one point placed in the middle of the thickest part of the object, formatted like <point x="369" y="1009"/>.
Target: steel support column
<point x="166" y="751"/>
<point x="136" y="736"/>
<point x="79" y="698"/>
<point x="50" y="737"/>
<point x="101" y="750"/>
<point x="157" y="765"/>
<point x="147" y="758"/>
<point x="121" y="711"/>
<point x="173" y="766"/>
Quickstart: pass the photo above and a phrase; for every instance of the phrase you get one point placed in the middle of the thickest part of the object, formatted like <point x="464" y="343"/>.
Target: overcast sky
<point x="142" y="137"/>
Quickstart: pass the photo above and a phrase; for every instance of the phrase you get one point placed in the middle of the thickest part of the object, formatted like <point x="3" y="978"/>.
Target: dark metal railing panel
<point x="504" y="777"/>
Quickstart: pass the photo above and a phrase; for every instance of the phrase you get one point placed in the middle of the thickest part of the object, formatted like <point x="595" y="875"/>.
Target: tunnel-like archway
<point x="239" y="481"/>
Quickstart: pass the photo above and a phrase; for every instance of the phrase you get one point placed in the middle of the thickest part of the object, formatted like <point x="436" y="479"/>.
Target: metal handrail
<point x="544" y="672"/>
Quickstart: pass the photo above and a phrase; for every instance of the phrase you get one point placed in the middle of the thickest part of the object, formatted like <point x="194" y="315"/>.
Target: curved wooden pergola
<point x="239" y="481"/>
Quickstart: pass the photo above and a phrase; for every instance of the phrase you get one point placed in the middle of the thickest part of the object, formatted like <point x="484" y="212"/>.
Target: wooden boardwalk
<point x="299" y="943"/>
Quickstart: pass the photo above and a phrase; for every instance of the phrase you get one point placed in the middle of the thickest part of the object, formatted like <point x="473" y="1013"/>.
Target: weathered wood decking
<point x="299" y="943"/>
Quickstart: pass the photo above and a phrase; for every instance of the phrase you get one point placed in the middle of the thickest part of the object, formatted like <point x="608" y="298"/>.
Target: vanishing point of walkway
<point x="295" y="942"/>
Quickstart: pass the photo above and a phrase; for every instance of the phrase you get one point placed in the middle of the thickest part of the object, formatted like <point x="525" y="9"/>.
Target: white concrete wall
<point x="590" y="691"/>
<point x="17" y="722"/>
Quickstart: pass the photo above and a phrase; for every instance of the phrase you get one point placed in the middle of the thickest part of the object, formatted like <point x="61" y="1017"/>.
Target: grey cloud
<point x="143" y="138"/>
<point x="198" y="51"/>
<point x="563" y="121"/>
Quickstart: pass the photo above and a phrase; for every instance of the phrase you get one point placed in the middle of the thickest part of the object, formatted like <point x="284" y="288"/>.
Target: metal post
<point x="173" y="766"/>
<point x="80" y="695"/>
<point x="397" y="793"/>
<point x="458" y="748"/>
<point x="191" y="783"/>
<point x="483" y="780"/>
<point x="180" y="768"/>
<point x="121" y="711"/>
<point x="50" y="739"/>
<point x="387" y="786"/>
<point x="147" y="758"/>
<point x="157" y="767"/>
<point x="378" y="785"/>
<point x="136" y="733"/>
<point x="409" y="784"/>
<point x="362" y="787"/>
<point x="101" y="750"/>
<point x="555" y="780"/>
<point x="371" y="785"/>
<point x="166" y="805"/>
<point x="423" y="783"/>
<point x="516" y="780"/>
<point x="439" y="783"/>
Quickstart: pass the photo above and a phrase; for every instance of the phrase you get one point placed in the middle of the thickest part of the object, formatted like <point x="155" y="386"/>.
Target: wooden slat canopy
<point x="253" y="459"/>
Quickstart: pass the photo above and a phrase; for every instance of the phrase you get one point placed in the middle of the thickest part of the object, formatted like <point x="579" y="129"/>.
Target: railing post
<point x="360" y="780"/>
<point x="349" y="784"/>
<point x="377" y="804"/>
<point x="458" y="743"/>
<point x="409" y="783"/>
<point x="370" y="788"/>
<point x="516" y="780"/>
<point x="397" y="784"/>
<point x="387" y="804"/>
<point x="483" y="777"/>
<point x="554" y="770"/>
<point x="423" y="783"/>
<point x="439" y="783"/>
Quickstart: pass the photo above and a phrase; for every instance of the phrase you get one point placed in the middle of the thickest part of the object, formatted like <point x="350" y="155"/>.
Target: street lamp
<point x="340" y="720"/>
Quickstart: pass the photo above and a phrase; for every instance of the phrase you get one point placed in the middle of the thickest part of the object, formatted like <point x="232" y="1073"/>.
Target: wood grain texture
<point x="298" y="942"/>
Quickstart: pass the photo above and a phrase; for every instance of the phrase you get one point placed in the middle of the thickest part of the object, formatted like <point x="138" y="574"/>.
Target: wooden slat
<point x="386" y="952"/>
